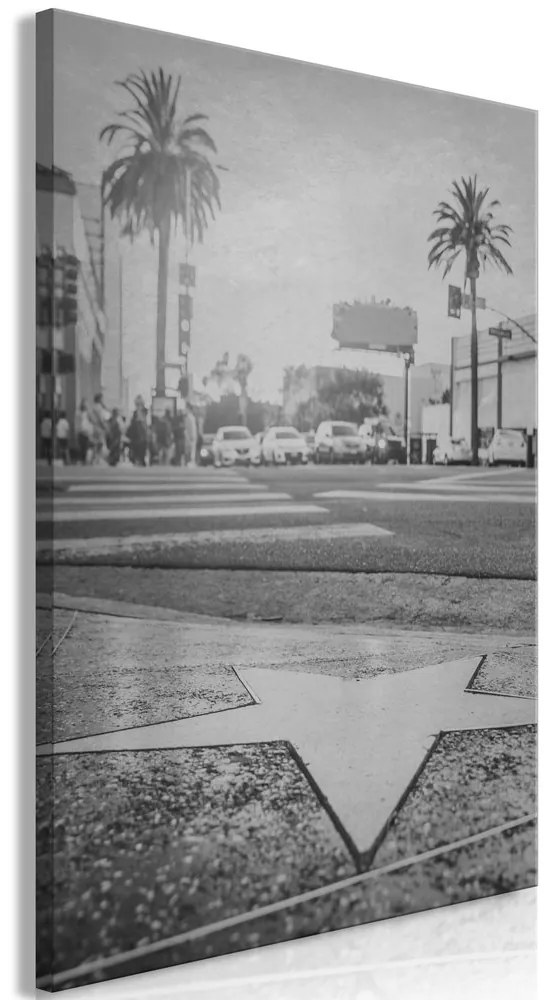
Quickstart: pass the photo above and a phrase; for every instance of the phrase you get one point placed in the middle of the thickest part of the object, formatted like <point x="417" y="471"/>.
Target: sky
<point x="331" y="181"/>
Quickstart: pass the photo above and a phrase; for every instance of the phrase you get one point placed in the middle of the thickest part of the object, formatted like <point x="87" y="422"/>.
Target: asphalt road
<point x="451" y="521"/>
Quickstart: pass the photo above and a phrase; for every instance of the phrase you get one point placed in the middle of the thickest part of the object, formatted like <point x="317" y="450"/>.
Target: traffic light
<point x="183" y="386"/>
<point x="70" y="289"/>
<point x="44" y="289"/>
<point x="455" y="302"/>
<point x="185" y="313"/>
<point x="65" y="363"/>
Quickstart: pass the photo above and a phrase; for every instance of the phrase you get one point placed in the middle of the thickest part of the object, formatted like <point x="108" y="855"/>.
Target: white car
<point x="284" y="444"/>
<point x="507" y="447"/>
<point x="339" y="441"/>
<point x="235" y="446"/>
<point x="452" y="451"/>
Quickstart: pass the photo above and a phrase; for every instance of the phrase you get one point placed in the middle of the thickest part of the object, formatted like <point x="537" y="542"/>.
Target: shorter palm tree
<point x="243" y="368"/>
<point x="469" y="229"/>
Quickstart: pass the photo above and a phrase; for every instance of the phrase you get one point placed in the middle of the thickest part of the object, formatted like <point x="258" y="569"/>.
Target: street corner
<point x="112" y="673"/>
<point x="163" y="843"/>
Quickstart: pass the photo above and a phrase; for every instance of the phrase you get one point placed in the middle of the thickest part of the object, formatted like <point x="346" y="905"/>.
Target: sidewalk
<point x="219" y="785"/>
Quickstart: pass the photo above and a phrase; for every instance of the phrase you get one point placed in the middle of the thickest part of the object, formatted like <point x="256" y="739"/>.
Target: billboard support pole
<point x="407" y="359"/>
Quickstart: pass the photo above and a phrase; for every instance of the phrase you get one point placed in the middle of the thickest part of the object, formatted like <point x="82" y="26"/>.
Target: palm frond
<point x="146" y="184"/>
<point x="470" y="229"/>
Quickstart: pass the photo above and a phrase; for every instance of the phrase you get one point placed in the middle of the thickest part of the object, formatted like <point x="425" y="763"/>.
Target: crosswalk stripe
<point x="471" y="478"/>
<point x="433" y="497"/>
<point x="90" y="503"/>
<point x="146" y="514"/>
<point x="172" y="487"/>
<point x="307" y="532"/>
<point x="518" y="488"/>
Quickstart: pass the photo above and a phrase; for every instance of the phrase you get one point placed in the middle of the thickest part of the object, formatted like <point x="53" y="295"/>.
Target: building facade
<point x="507" y="381"/>
<point x="69" y="346"/>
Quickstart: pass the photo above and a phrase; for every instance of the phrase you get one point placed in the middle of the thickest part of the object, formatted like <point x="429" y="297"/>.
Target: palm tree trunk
<point x="162" y="296"/>
<point x="473" y="365"/>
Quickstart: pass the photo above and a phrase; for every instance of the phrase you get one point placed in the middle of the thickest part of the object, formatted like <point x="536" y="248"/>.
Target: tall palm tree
<point x="469" y="229"/>
<point x="162" y="176"/>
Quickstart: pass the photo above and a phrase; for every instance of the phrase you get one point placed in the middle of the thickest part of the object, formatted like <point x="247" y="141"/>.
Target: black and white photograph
<point x="286" y="501"/>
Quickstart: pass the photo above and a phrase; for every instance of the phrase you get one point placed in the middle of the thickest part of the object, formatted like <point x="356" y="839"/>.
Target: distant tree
<point x="352" y="395"/>
<point x="222" y="413"/>
<point x="227" y="411"/>
<point x="446" y="396"/>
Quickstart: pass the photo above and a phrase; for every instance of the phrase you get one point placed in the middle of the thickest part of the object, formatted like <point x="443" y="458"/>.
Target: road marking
<point x="147" y="514"/>
<point x="518" y="488"/>
<point x="485" y="474"/>
<point x="211" y="484"/>
<point x="61" y="503"/>
<point x="445" y="498"/>
<point x="307" y="532"/>
<point x="361" y="741"/>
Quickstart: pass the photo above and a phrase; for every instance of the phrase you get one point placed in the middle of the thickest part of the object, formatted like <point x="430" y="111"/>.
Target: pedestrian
<point x="83" y="432"/>
<point x="190" y="436"/>
<point x="99" y="418"/>
<point x="114" y="437"/>
<point x="165" y="437"/>
<point x="46" y="437"/>
<point x="179" y="439"/>
<point x="137" y="433"/>
<point x="62" y="432"/>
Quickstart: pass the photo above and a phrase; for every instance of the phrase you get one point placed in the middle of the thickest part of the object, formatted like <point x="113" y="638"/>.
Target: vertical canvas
<point x="286" y="381"/>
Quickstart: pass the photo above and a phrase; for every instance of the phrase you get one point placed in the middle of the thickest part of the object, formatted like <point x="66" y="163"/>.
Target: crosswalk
<point x="515" y="486"/>
<point x="170" y="495"/>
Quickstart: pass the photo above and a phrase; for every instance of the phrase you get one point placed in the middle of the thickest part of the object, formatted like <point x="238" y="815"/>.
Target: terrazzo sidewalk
<point x="206" y="785"/>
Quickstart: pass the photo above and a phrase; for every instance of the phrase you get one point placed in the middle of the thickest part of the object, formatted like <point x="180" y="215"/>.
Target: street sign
<point x="187" y="275"/>
<point x="467" y="302"/>
<point x="160" y="404"/>
<point x="497" y="331"/>
<point x="455" y="301"/>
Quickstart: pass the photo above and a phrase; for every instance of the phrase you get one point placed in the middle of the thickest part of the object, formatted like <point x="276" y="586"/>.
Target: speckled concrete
<point x="113" y="673"/>
<point x="51" y="624"/>
<point x="362" y="741"/>
<point x="509" y="671"/>
<point x="150" y="844"/>
<point x="471" y="782"/>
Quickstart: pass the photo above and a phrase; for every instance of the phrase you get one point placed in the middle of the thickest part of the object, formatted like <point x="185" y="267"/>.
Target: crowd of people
<point x="105" y="436"/>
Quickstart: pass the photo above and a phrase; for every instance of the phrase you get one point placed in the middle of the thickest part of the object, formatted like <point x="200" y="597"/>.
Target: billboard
<point x="374" y="326"/>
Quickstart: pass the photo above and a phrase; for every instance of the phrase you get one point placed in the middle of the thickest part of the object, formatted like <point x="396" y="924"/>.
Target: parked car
<point x="452" y="451"/>
<point x="284" y="444"/>
<point x="508" y="447"/>
<point x="338" y="441"/>
<point x="235" y="446"/>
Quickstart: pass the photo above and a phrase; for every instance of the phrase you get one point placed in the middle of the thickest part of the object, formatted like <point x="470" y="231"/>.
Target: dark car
<point x="206" y="453"/>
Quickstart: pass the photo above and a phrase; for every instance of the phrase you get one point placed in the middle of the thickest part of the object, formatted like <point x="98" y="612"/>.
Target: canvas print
<point x="286" y="432"/>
